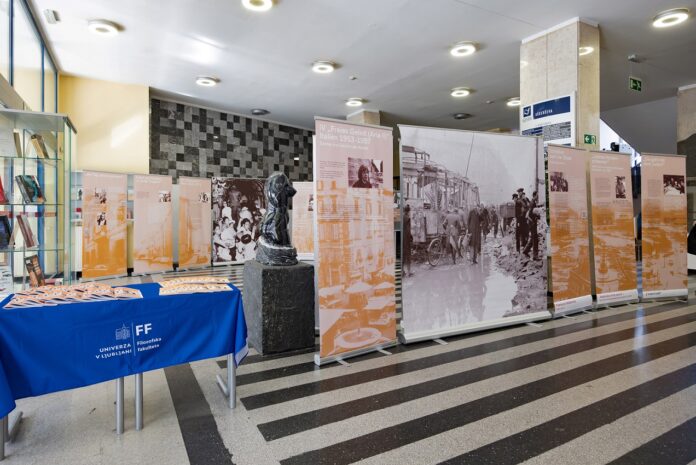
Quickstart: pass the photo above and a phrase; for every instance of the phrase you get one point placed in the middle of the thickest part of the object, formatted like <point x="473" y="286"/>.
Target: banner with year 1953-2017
<point x="613" y="231"/>
<point x="664" y="226"/>
<point x="571" y="281"/>
<point x="354" y="249"/>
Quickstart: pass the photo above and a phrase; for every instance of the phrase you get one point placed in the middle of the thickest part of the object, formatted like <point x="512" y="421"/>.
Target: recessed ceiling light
<point x="207" y="81"/>
<point x="323" y="67"/>
<point x="258" y="5"/>
<point x="462" y="115"/>
<point x="513" y="102"/>
<point x="103" y="27"/>
<point x="355" y="102"/>
<point x="582" y="51"/>
<point x="463" y="49"/>
<point x="460" y="92"/>
<point x="671" y="17"/>
<point x="259" y="112"/>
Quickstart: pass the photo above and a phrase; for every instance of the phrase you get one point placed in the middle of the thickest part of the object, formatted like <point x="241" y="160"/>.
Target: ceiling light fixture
<point x="463" y="49"/>
<point x="258" y="5"/>
<point x="460" y="92"/>
<point x="671" y="17"/>
<point x="582" y="51"/>
<point x="103" y="27"/>
<point x="207" y="81"/>
<point x="259" y="112"/>
<point x="355" y="102"/>
<point x="513" y="102"/>
<point x="323" y="67"/>
<point x="462" y="115"/>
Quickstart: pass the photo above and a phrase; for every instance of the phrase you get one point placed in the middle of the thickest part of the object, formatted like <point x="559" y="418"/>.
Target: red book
<point x="3" y="197"/>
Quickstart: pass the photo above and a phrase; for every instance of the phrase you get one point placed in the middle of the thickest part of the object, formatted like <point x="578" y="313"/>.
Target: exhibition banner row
<point x="303" y="220"/>
<point x="354" y="246"/>
<point x="474" y="231"/>
<point x="607" y="259"/>
<point x="105" y="224"/>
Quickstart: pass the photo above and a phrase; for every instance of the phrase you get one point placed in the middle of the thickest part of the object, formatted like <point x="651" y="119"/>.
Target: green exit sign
<point x="590" y="139"/>
<point x="635" y="83"/>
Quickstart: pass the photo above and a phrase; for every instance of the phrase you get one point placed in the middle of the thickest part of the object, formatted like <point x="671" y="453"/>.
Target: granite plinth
<point x="279" y="307"/>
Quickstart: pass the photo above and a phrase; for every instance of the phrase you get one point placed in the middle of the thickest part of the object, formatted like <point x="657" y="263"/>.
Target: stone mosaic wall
<point x="191" y="141"/>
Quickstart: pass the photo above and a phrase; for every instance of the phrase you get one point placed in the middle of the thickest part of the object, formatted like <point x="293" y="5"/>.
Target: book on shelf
<point x="34" y="272"/>
<point x="39" y="146"/>
<point x="5" y="232"/>
<point x="18" y="143"/>
<point x="27" y="233"/>
<point x="3" y="197"/>
<point x="30" y="188"/>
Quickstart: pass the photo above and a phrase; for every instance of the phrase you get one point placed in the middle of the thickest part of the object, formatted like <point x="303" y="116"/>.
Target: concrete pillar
<point x="560" y="61"/>
<point x="686" y="142"/>
<point x="365" y="117"/>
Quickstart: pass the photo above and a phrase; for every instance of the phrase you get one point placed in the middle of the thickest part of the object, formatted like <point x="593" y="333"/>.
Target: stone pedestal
<point x="279" y="307"/>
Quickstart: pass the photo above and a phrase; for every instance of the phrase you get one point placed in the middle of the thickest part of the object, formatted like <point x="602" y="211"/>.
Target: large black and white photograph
<point x="238" y="207"/>
<point x="474" y="228"/>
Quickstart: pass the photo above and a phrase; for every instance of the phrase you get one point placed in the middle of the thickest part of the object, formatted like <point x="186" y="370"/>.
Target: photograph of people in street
<point x="474" y="228"/>
<point x="238" y="207"/>
<point x="558" y="182"/>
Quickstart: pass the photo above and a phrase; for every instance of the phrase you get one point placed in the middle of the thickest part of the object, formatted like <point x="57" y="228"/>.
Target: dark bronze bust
<point x="274" y="246"/>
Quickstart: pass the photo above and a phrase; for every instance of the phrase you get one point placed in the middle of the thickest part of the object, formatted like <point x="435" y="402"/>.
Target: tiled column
<point x="686" y="141"/>
<point x="562" y="60"/>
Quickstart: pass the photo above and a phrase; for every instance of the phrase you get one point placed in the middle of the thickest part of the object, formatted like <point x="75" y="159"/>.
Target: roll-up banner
<point x="473" y="231"/>
<point x="613" y="236"/>
<point x="104" y="224"/>
<point x="152" y="228"/>
<point x="571" y="281"/>
<point x="303" y="220"/>
<point x="664" y="226"/>
<point x="238" y="207"/>
<point x="354" y="248"/>
<point x="194" y="222"/>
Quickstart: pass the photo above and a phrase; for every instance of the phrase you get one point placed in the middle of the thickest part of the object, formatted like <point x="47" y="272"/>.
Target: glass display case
<point x="36" y="151"/>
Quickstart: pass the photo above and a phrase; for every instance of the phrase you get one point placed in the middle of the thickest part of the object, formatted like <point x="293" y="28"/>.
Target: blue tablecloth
<point x="49" y="349"/>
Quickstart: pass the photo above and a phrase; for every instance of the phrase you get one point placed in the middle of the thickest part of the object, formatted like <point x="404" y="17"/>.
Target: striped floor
<point x="615" y="386"/>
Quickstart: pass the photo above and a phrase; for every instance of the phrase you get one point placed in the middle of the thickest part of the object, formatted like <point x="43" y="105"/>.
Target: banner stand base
<point x="570" y="311"/>
<point x="406" y="338"/>
<point x="319" y="361"/>
<point x="617" y="303"/>
<point x="103" y="278"/>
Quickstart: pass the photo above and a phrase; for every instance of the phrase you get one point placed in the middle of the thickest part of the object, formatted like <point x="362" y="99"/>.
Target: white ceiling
<point x="398" y="49"/>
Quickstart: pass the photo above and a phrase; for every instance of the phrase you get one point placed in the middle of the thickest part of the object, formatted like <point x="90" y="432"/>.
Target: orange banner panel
<point x="104" y="224"/>
<point x="194" y="222"/>
<point x="152" y="231"/>
<point x="613" y="227"/>
<point x="303" y="219"/>
<point x="354" y="248"/>
<point x="570" y="241"/>
<point x="664" y="226"/>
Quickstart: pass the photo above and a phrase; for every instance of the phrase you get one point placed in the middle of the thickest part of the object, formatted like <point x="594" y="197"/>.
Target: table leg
<point x="119" y="405"/>
<point x="138" y="401"/>
<point x="3" y="436"/>
<point x="229" y="388"/>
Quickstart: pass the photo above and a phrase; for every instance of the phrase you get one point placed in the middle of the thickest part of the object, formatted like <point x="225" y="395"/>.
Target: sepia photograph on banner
<point x="474" y="230"/>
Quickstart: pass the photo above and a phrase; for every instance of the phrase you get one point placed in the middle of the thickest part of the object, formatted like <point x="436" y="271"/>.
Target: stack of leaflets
<point x="54" y="295"/>
<point x="194" y="285"/>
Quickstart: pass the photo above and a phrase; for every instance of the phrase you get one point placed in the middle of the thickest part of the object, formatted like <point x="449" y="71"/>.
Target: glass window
<point x="5" y="39"/>
<point x="26" y="58"/>
<point x="50" y="102"/>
